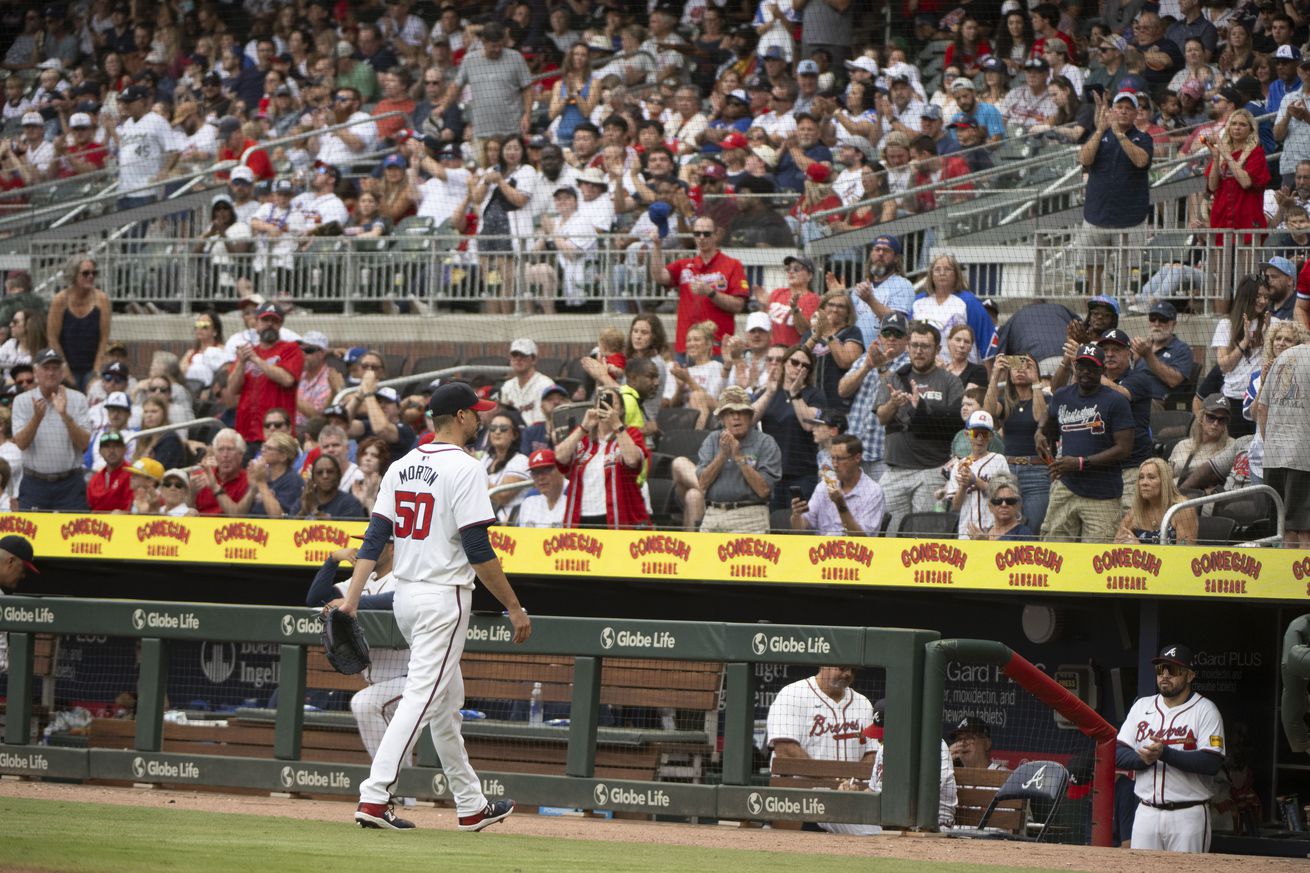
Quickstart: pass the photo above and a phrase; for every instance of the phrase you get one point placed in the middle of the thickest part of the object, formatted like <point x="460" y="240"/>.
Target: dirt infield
<point x="911" y="847"/>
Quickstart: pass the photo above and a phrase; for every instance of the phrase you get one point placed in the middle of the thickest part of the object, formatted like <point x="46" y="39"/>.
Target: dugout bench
<point x="639" y="753"/>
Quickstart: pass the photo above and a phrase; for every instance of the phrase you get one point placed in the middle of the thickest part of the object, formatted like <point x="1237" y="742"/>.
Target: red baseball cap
<point x="818" y="173"/>
<point x="733" y="140"/>
<point x="541" y="459"/>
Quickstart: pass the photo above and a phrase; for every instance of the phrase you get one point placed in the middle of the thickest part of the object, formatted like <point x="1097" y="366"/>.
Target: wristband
<point x="1081" y="463"/>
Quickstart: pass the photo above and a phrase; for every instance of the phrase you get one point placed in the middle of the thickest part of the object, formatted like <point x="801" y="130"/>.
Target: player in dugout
<point x="971" y="745"/>
<point x="373" y="705"/>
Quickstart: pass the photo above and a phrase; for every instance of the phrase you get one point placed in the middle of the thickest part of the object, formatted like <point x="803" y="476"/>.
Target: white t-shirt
<point x="250" y="336"/>
<point x="142" y="147"/>
<point x="976" y="510"/>
<point x="942" y="316"/>
<point x="849" y="186"/>
<point x="526" y="398"/>
<point x="14" y="455"/>
<point x="430" y="495"/>
<point x="204" y="140"/>
<point x="1236" y="379"/>
<point x="536" y="512"/>
<point x="827" y="729"/>
<point x="599" y="212"/>
<point x="319" y="209"/>
<point x="332" y="150"/>
<point x="515" y="470"/>
<point x="441" y="197"/>
<point x="1193" y="725"/>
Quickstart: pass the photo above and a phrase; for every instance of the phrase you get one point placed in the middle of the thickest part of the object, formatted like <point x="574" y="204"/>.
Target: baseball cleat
<point x="490" y="814"/>
<point x="379" y="815"/>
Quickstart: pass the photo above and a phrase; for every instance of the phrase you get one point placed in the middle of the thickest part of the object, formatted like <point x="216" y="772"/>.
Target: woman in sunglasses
<point x="505" y="464"/>
<point x="323" y="497"/>
<point x="1006" y="507"/>
<point x="79" y="320"/>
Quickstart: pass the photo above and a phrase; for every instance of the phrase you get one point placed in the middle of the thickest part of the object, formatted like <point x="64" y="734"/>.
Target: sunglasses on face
<point x="173" y="483"/>
<point x="274" y="424"/>
<point x="1215" y="419"/>
<point x="1005" y="501"/>
<point x="157" y="389"/>
<point x="376" y="367"/>
<point x="1158" y="319"/>
<point x="799" y="363"/>
<point x="88" y="272"/>
<point x="702" y="233"/>
<point x="979" y="432"/>
<point x="892" y="334"/>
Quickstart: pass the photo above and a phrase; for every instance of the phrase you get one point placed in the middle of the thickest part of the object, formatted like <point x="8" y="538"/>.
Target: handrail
<point x="40" y="187"/>
<point x="165" y="428"/>
<point x="518" y="485"/>
<point x="295" y="137"/>
<point x="430" y="375"/>
<point x="1221" y="497"/>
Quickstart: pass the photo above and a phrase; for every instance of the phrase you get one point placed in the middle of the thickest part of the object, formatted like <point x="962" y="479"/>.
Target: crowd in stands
<point x="689" y="129"/>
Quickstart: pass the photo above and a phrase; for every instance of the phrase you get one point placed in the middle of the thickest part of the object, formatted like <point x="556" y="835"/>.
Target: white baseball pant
<point x="434" y="620"/>
<point x="1179" y="830"/>
<point x="373" y="708"/>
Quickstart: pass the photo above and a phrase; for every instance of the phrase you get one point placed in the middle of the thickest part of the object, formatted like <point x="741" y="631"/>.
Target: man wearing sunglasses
<point x="1174" y="743"/>
<point x="886" y="355"/>
<point x="711" y="285"/>
<point x="1164" y="358"/>
<point x="264" y="377"/>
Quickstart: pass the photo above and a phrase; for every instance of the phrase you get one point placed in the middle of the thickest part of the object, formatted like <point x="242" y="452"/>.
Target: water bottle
<point x="536" y="709"/>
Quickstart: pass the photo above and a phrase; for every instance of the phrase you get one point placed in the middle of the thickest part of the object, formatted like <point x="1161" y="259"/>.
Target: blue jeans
<point x="1035" y="489"/>
<point x="66" y="495"/>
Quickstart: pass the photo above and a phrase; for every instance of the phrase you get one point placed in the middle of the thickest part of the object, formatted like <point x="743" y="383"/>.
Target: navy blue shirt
<point x="1118" y="192"/>
<point x="287" y="489"/>
<point x="1087" y="427"/>
<point x="791" y="177"/>
<point x="1141" y="389"/>
<point x="1178" y="356"/>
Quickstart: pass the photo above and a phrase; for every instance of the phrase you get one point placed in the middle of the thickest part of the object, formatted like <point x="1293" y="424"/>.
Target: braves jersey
<point x="947" y="799"/>
<point x="385" y="663"/>
<point x="828" y="730"/>
<point x="1193" y="725"/>
<point x="429" y="496"/>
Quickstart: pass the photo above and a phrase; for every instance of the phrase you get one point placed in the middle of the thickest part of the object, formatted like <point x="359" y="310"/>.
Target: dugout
<point x="1096" y="644"/>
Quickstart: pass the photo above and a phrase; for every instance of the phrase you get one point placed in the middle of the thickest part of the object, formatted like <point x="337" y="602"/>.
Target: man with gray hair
<point x="51" y="425"/>
<point x="220" y="482"/>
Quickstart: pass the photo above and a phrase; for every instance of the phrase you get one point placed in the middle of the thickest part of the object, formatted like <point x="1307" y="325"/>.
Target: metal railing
<point x="1280" y="515"/>
<point x="398" y="381"/>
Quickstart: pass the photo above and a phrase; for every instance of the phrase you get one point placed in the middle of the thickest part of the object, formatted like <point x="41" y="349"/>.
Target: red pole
<point x="1103" y="794"/>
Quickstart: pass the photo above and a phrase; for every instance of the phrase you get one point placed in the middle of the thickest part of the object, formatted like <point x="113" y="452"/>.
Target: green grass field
<point x="100" y="838"/>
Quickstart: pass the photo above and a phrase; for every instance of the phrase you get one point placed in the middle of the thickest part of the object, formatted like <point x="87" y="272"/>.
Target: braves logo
<point x="840" y="730"/>
<point x="1178" y="735"/>
<point x="1088" y="418"/>
<point x="717" y="281"/>
<point x="1036" y="780"/>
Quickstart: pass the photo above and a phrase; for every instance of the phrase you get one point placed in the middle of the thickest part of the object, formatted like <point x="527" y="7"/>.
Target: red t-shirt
<point x="779" y="311"/>
<point x="109" y="489"/>
<point x="259" y="394"/>
<point x="258" y="161"/>
<point x="93" y="153"/>
<point x="387" y="127"/>
<point x="235" y="488"/>
<point x="725" y="275"/>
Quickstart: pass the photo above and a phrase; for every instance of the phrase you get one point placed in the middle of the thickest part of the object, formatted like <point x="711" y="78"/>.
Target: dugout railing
<point x="740" y="792"/>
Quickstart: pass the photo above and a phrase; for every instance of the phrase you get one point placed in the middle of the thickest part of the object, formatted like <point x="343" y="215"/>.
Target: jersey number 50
<point x="413" y="514"/>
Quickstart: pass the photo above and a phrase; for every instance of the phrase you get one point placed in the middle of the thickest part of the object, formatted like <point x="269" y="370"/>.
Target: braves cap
<point x="21" y="549"/>
<point x="116" y="369"/>
<point x="134" y="92"/>
<point x="896" y="321"/>
<point x="388" y="394"/>
<point x="1174" y="654"/>
<point x="833" y="418"/>
<point x="1116" y="336"/>
<point x="1217" y="404"/>
<point x="117" y="400"/>
<point x="875" y="730"/>
<point x="889" y="241"/>
<point x="970" y="724"/>
<point x="1089" y="352"/>
<point x="336" y="410"/>
<point x="1103" y="300"/>
<point x="47" y="356"/>
<point x="1287" y="53"/>
<point x="268" y="310"/>
<point x="541" y="459"/>
<point x="454" y="396"/>
<point x="807" y="68"/>
<point x="1130" y="96"/>
<point x="981" y="420"/>
<point x="1165" y="309"/>
<point x="554" y="389"/>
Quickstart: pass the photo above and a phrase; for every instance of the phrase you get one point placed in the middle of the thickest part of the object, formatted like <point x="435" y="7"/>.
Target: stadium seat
<point x="661" y="466"/>
<point x="1170" y="424"/>
<point x="780" y="521"/>
<point x="662" y="503"/>
<point x="683" y="443"/>
<point x="673" y="418"/>
<point x="431" y="363"/>
<point x="930" y="524"/>
<point x="1214" y="530"/>
<point x="552" y="367"/>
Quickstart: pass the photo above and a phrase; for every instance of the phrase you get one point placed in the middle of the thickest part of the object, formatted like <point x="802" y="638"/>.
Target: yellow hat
<point x="148" y="467"/>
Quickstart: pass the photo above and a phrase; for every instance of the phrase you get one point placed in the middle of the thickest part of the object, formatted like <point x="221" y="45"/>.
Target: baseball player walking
<point x="434" y="502"/>
<point x="1174" y="741"/>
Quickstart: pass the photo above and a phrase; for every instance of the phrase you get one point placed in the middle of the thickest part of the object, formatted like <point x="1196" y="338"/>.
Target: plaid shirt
<point x="864" y="419"/>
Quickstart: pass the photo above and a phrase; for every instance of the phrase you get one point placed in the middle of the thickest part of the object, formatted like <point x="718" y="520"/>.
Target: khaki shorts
<point x="1130" y="475"/>
<point x="1074" y="519"/>
<point x="747" y="519"/>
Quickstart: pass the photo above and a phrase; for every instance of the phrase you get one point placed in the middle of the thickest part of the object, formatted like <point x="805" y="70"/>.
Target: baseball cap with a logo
<point x="1116" y="337"/>
<point x="970" y="724"/>
<point x="118" y="400"/>
<point x="21" y="549"/>
<point x="981" y="420"/>
<point x="1175" y="654"/>
<point x="454" y="396"/>
<point x="1287" y="53"/>
<point x="875" y="729"/>
<point x="541" y="459"/>
<point x="1091" y="353"/>
<point x="47" y="356"/>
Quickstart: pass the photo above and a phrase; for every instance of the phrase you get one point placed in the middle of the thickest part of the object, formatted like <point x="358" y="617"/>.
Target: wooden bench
<point x="492" y="744"/>
<point x="975" y="788"/>
<point x="640" y="752"/>
<point x="45" y="654"/>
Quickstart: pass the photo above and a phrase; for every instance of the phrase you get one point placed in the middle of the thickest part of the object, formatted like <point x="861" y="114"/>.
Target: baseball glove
<point x="344" y="643"/>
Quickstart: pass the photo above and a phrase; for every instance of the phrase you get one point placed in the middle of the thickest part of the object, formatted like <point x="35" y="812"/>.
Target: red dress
<point x="1237" y="207"/>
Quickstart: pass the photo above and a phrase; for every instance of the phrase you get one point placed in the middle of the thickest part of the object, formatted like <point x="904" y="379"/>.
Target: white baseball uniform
<point x="949" y="797"/>
<point x="430" y="495"/>
<point x="374" y="705"/>
<point x="827" y="729"/>
<point x="1194" y="725"/>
